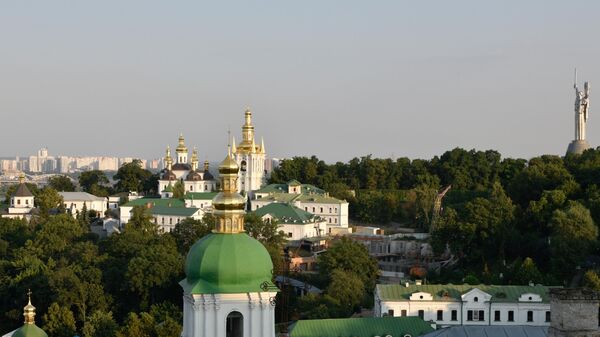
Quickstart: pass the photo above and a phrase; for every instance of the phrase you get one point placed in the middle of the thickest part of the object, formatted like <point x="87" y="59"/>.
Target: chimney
<point x="574" y="312"/>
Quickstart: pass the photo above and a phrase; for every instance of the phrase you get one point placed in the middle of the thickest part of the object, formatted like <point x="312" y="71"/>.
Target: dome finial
<point x="29" y="310"/>
<point x="21" y="178"/>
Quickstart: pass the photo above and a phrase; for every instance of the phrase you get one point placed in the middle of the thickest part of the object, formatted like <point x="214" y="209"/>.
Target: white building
<point x="450" y="304"/>
<point x="294" y="222"/>
<point x="250" y="159"/>
<point x="74" y="202"/>
<point x="308" y="198"/>
<point x="192" y="178"/>
<point x="21" y="202"/>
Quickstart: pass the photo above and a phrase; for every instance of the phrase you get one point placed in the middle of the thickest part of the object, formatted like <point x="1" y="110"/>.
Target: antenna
<point x="575" y="79"/>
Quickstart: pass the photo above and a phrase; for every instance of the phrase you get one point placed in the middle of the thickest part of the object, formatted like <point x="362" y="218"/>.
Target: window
<point x="403" y="313"/>
<point x="330" y="210"/>
<point x="18" y="201"/>
<point x="26" y="202"/>
<point x="163" y="220"/>
<point x="511" y="316"/>
<point x="289" y="234"/>
<point x="440" y="315"/>
<point x="306" y="209"/>
<point x="422" y="314"/>
<point x="321" y="209"/>
<point x="548" y="317"/>
<point x="497" y="315"/>
<point x="234" y="325"/>
<point x="391" y="312"/>
<point x="454" y="315"/>
<point x="529" y="316"/>
<point x="191" y="188"/>
<point x="170" y="221"/>
<point x="475" y="299"/>
<point x="314" y="209"/>
<point x="481" y="315"/>
<point x="470" y="315"/>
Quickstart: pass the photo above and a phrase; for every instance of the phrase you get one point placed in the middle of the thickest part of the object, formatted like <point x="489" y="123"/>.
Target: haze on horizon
<point x="337" y="79"/>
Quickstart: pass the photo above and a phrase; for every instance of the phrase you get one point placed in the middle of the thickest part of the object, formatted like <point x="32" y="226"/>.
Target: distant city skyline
<point x="336" y="79"/>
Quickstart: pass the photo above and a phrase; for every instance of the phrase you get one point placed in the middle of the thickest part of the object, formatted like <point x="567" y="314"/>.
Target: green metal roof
<point x="453" y="292"/>
<point x="283" y="188"/>
<point x="290" y="198"/>
<point x="227" y="263"/>
<point x="200" y="195"/>
<point x="172" y="202"/>
<point x="294" y="182"/>
<point x="361" y="327"/>
<point x="29" y="330"/>
<point x="287" y="214"/>
<point x="175" y="211"/>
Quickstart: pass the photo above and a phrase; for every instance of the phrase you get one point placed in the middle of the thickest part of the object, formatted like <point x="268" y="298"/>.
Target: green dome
<point x="227" y="263"/>
<point x="29" y="330"/>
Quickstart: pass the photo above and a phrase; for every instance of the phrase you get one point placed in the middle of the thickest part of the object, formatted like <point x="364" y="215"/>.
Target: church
<point x="249" y="157"/>
<point x="189" y="174"/>
<point x="228" y="289"/>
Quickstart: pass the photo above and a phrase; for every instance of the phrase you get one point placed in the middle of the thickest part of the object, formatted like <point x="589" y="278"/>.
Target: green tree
<point x="131" y="177"/>
<point x="265" y="232"/>
<point x="178" y="190"/>
<point x="188" y="231"/>
<point x="100" y="324"/>
<point x="528" y="272"/>
<point x="61" y="183"/>
<point x="349" y="256"/>
<point x="591" y="280"/>
<point x="573" y="238"/>
<point x="94" y="182"/>
<point x="347" y="289"/>
<point x="48" y="199"/>
<point x="59" y="321"/>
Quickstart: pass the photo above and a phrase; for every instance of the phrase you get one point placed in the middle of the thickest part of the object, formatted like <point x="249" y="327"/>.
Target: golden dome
<point x="229" y="201"/>
<point x="228" y="166"/>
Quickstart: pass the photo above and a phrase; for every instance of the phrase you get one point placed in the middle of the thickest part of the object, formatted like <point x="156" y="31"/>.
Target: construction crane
<point x="437" y="207"/>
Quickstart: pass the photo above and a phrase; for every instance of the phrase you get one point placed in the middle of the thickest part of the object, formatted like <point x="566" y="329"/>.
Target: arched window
<point x="243" y="166"/>
<point x="235" y="325"/>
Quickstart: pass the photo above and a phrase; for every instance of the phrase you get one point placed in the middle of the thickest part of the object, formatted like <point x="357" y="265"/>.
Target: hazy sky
<point x="337" y="79"/>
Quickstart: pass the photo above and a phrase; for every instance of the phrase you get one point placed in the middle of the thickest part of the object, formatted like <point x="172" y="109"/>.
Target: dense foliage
<point x="507" y="220"/>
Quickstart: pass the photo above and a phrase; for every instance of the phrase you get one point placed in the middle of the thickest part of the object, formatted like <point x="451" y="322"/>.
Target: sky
<point x="335" y="79"/>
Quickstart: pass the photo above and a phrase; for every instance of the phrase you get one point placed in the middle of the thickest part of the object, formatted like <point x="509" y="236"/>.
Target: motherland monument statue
<point x="582" y="105"/>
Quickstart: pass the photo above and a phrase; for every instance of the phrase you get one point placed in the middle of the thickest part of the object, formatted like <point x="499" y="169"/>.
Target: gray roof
<point x="490" y="331"/>
<point x="80" y="196"/>
<point x="23" y="191"/>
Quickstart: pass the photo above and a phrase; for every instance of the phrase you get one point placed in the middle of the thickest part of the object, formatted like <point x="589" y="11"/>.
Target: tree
<point x="48" y="199"/>
<point x="94" y="182"/>
<point x="591" y="280"/>
<point x="573" y="238"/>
<point x="100" y="324"/>
<point x="528" y="272"/>
<point x="59" y="321"/>
<point x="349" y="256"/>
<point x="156" y="266"/>
<point x="188" y="231"/>
<point x="178" y="190"/>
<point x="347" y="289"/>
<point x="131" y="177"/>
<point x="141" y="219"/>
<point x="265" y="232"/>
<point x="61" y="183"/>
